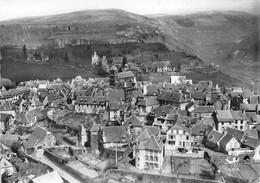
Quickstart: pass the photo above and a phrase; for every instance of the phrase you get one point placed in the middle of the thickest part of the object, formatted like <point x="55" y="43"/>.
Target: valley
<point x="228" y="39"/>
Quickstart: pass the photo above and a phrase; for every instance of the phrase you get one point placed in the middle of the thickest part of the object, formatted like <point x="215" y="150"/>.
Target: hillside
<point x="228" y="39"/>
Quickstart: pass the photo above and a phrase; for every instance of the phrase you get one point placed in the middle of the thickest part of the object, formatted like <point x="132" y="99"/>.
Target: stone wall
<point x="153" y="178"/>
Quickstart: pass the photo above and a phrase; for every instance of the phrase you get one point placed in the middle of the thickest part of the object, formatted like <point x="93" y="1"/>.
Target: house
<point x="202" y="112"/>
<point x="250" y="107"/>
<point x="178" y="79"/>
<point x="34" y="115"/>
<point x="176" y="99"/>
<point x="22" y="120"/>
<point x="114" y="112"/>
<point x="6" y="167"/>
<point x="160" y="114"/>
<point x="199" y="97"/>
<point x="5" y="151"/>
<point x="256" y="156"/>
<point x="90" y="105"/>
<point x="163" y="66"/>
<point x="7" y="122"/>
<point x="252" y="119"/>
<point x="115" y="136"/>
<point x="39" y="139"/>
<point x="127" y="76"/>
<point x="149" y="154"/>
<point x="223" y="119"/>
<point x="178" y="138"/>
<point x="35" y="103"/>
<point x="146" y="105"/>
<point x="212" y="138"/>
<point x="228" y="143"/>
<point x="6" y="106"/>
<point x="151" y="90"/>
<point x="116" y="95"/>
<point x="134" y="124"/>
<point x="241" y="121"/>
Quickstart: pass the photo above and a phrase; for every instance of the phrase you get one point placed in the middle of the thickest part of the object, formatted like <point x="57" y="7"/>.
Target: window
<point x="155" y="158"/>
<point x="241" y="127"/>
<point x="222" y="123"/>
<point x="156" y="165"/>
<point x="187" y="137"/>
<point x="235" y="122"/>
<point x="151" y="158"/>
<point x="180" y="143"/>
<point x="146" y="157"/>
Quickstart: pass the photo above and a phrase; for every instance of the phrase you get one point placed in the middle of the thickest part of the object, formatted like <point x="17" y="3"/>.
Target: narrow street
<point x="39" y="156"/>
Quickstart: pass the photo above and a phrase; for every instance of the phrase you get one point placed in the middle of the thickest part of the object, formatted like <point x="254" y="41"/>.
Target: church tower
<point x="113" y="75"/>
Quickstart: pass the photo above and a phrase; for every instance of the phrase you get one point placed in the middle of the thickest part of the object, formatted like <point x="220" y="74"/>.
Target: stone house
<point x="39" y="139"/>
<point x="90" y="105"/>
<point x="223" y="119"/>
<point x="149" y="154"/>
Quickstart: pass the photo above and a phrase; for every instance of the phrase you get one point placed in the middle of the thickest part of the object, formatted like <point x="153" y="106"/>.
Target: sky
<point x="10" y="9"/>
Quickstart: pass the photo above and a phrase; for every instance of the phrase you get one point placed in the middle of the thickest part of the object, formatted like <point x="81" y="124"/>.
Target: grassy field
<point x="19" y="71"/>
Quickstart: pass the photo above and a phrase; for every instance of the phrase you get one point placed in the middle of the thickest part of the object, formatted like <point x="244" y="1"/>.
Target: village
<point x="121" y="129"/>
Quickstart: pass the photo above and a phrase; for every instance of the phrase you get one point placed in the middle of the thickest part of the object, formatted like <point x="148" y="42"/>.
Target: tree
<point x="100" y="69"/>
<point x="124" y="62"/>
<point x="15" y="147"/>
<point x="66" y="57"/>
<point x="24" y="50"/>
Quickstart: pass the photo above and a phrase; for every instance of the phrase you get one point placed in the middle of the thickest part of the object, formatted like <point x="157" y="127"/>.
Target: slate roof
<point x="37" y="102"/>
<point x="113" y="68"/>
<point x="179" y="126"/>
<point x="153" y="90"/>
<point x="114" y="106"/>
<point x="197" y="129"/>
<point x="5" y="106"/>
<point x="214" y="136"/>
<point x="87" y="100"/>
<point x="116" y="95"/>
<point x="238" y="115"/>
<point x="5" y="117"/>
<point x="114" y="134"/>
<point x="225" y="140"/>
<point x="148" y="102"/>
<point x="133" y="121"/>
<point x="138" y="93"/>
<point x="36" y="137"/>
<point x="203" y="109"/>
<point x="159" y="111"/>
<point x="174" y="97"/>
<point x="253" y="133"/>
<point x="21" y="118"/>
<point x="150" y="144"/>
<point x="224" y="115"/>
<point x="250" y="142"/>
<point x="9" y="139"/>
<point x="171" y="117"/>
<point x="252" y="117"/>
<point x="126" y="74"/>
<point x="238" y="134"/>
<point x="255" y="99"/>
<point x="248" y="107"/>
<point x="143" y="136"/>
<point x="198" y="95"/>
<point x="152" y="130"/>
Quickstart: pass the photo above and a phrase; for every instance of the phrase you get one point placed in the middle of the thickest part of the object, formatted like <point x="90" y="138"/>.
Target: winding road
<point x="39" y="156"/>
